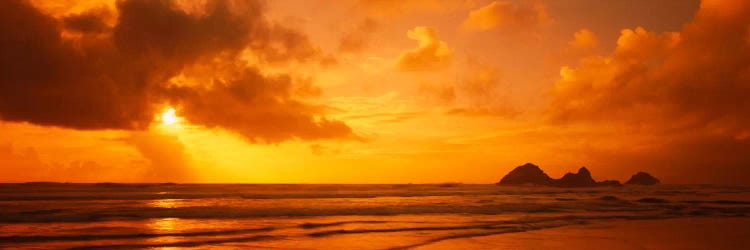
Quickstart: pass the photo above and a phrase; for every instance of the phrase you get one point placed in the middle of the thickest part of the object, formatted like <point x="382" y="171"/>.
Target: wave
<point x="527" y="223"/>
<point x="230" y="212"/>
<point x="184" y="243"/>
<point x="9" y="213"/>
<point x="310" y="225"/>
<point x="486" y="228"/>
<point x="652" y="200"/>
<point x="390" y="230"/>
<point x="89" y="237"/>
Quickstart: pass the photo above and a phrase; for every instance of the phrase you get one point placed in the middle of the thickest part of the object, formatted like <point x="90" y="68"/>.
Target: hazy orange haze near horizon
<point x="372" y="91"/>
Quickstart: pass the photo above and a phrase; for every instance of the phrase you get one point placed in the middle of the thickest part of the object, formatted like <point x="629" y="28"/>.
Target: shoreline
<point x="668" y="233"/>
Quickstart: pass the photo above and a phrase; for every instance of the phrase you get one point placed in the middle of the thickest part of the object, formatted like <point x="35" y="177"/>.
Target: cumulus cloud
<point x="584" y="39"/>
<point x="21" y="166"/>
<point x="119" y="78"/>
<point x="508" y="15"/>
<point x="583" y="43"/>
<point x="25" y="165"/>
<point x="689" y="88"/>
<point x="430" y="54"/>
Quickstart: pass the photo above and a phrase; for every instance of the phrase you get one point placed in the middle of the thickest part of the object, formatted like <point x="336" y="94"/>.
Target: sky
<point x="373" y="91"/>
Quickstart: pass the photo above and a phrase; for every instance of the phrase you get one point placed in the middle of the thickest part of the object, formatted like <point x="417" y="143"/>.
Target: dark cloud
<point x="120" y="78"/>
<point x="92" y="21"/>
<point x="276" y="44"/>
<point x="49" y="82"/>
<point x="155" y="29"/>
<point x="261" y="108"/>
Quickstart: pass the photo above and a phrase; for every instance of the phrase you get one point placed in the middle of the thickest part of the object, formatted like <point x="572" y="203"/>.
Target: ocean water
<point x="205" y="216"/>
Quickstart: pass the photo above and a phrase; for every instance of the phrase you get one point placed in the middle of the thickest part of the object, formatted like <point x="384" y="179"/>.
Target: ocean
<point x="279" y="216"/>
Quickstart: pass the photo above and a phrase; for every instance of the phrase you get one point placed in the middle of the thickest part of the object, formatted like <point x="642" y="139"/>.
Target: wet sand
<point x="683" y="233"/>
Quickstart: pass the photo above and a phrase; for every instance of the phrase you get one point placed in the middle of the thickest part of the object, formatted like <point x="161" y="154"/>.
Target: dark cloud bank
<point x="79" y="72"/>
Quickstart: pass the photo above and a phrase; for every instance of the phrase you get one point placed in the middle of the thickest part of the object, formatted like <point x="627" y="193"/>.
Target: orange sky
<point x="373" y="91"/>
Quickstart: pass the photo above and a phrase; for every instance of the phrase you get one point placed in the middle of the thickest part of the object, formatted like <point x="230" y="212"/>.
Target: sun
<point x="168" y="117"/>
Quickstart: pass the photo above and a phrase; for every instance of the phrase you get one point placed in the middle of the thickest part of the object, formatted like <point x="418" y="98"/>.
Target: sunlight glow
<point x="169" y="117"/>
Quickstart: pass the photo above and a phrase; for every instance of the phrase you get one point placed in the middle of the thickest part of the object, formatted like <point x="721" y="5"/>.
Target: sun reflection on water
<point x="161" y="226"/>
<point x="165" y="224"/>
<point x="164" y="203"/>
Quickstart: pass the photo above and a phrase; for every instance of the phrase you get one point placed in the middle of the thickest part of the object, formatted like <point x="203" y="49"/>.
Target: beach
<point x="684" y="233"/>
<point x="385" y="216"/>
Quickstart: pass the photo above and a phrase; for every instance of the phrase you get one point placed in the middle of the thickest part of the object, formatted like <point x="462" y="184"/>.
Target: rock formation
<point x="580" y="179"/>
<point x="530" y="174"/>
<point x="642" y="178"/>
<point x="527" y="174"/>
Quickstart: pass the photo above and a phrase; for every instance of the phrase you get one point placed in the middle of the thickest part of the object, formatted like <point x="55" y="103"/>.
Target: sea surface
<point x="206" y="216"/>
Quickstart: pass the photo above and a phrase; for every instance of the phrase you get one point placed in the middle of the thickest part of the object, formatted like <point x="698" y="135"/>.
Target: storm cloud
<point x="79" y="72"/>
